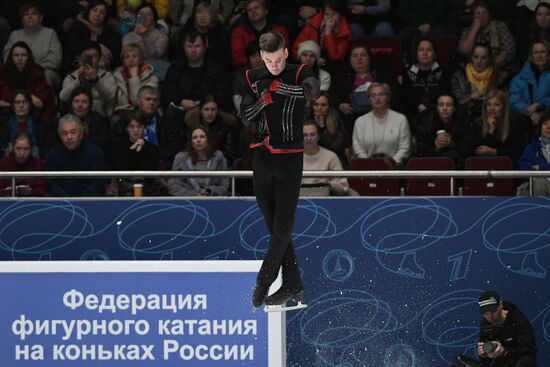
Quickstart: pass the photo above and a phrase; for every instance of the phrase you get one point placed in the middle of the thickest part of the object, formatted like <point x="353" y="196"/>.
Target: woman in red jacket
<point x="21" y="159"/>
<point x="330" y="29"/>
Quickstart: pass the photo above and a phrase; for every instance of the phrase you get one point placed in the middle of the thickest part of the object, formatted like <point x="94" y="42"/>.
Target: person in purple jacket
<point x="536" y="156"/>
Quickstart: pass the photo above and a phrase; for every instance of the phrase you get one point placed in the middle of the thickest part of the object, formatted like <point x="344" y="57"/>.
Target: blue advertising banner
<point x="389" y="281"/>
<point x="178" y="313"/>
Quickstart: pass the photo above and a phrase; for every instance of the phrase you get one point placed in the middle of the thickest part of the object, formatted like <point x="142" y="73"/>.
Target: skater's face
<point x="445" y="108"/>
<point x="425" y="53"/>
<point x="209" y="111"/>
<point x="545" y="129"/>
<point x="275" y="61"/>
<point x="539" y="56"/>
<point x="80" y="105"/>
<point x="135" y="130"/>
<point x="480" y="58"/>
<point x="199" y="140"/>
<point x="543" y="17"/>
<point x="20" y="57"/>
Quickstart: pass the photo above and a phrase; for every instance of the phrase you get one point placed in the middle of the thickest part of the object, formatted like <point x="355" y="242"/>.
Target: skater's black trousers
<point x="277" y="179"/>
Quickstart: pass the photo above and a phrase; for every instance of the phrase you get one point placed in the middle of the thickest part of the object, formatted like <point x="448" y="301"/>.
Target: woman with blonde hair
<point x="500" y="134"/>
<point x="332" y="135"/>
<point x="131" y="76"/>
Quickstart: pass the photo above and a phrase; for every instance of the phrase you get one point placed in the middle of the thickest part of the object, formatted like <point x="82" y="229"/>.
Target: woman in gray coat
<point x="199" y="156"/>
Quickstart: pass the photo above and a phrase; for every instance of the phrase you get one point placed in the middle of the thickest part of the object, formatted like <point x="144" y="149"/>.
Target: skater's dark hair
<point x="271" y="41"/>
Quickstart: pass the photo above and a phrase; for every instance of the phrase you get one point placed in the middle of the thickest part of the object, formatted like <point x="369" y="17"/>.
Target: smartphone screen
<point x="140" y="19"/>
<point x="88" y="60"/>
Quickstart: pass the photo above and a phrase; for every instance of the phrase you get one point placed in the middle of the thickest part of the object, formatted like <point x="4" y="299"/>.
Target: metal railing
<point x="233" y="175"/>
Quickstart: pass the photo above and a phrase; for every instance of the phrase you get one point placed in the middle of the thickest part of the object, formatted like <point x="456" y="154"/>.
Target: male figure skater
<point x="274" y="97"/>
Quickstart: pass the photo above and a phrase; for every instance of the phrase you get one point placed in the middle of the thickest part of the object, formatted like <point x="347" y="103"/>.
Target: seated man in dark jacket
<point x="192" y="77"/>
<point x="73" y="153"/>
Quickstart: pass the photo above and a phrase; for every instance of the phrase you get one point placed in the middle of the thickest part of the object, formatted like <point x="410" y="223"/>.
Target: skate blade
<point x="281" y="308"/>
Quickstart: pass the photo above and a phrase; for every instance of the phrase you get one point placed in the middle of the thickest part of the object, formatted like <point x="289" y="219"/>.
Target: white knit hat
<point x="531" y="4"/>
<point x="311" y="46"/>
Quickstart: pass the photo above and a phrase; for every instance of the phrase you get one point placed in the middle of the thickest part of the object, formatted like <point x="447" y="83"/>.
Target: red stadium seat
<point x="429" y="186"/>
<point x="489" y="186"/>
<point x="370" y="186"/>
<point x="387" y="46"/>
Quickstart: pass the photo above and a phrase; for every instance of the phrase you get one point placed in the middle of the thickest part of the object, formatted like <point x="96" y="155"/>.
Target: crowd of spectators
<point x="157" y="85"/>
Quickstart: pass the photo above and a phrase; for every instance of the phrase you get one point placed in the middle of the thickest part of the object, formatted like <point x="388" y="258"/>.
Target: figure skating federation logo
<point x="338" y="265"/>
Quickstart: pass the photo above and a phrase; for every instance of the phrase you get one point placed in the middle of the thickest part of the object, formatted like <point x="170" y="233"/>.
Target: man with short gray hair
<point x="73" y="153"/>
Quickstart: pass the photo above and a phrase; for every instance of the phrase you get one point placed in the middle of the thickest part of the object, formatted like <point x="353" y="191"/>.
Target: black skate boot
<point x="259" y="294"/>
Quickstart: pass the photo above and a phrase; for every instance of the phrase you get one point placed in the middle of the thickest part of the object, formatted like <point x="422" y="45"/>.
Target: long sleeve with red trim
<point x="277" y="104"/>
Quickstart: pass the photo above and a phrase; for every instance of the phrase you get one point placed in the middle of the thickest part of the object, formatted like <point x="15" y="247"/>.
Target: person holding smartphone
<point x="152" y="40"/>
<point x="93" y="78"/>
<point x="21" y="159"/>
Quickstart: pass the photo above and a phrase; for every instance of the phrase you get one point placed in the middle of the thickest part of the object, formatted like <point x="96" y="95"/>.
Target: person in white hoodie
<point x="131" y="76"/>
<point x="382" y="133"/>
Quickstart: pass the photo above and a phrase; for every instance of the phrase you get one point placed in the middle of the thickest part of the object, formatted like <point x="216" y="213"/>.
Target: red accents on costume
<point x="298" y="73"/>
<point x="274" y="85"/>
<point x="267" y="98"/>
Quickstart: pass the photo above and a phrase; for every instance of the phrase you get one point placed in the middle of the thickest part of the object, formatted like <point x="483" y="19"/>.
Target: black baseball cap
<point x="488" y="301"/>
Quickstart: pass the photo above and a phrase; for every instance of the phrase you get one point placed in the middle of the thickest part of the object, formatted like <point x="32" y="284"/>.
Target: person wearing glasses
<point x="381" y="133"/>
<point x="349" y="85"/>
<point x="21" y="120"/>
